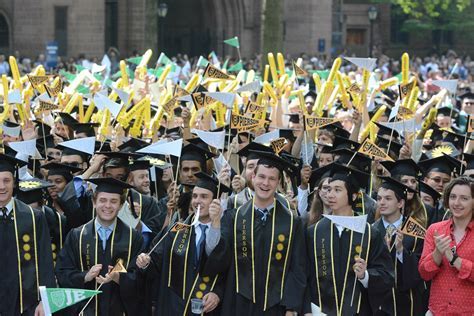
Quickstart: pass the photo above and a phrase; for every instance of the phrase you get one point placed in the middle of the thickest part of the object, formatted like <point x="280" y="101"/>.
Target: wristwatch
<point x="455" y="256"/>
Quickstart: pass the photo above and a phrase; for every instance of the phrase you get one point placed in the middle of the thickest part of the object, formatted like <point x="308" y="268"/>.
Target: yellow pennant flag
<point x="470" y="124"/>
<point x="47" y="106"/>
<point x="179" y="91"/>
<point x="370" y="149"/>
<point x="405" y="89"/>
<point x="215" y="73"/>
<point x="413" y="228"/>
<point x="37" y="81"/>
<point x="278" y="144"/>
<point x="253" y="108"/>
<point x="119" y="267"/>
<point x="300" y="72"/>
<point x="179" y="226"/>
<point x="198" y="100"/>
<point x="170" y="105"/>
<point x="243" y="123"/>
<point x="405" y="112"/>
<point x="313" y="122"/>
<point x="54" y="91"/>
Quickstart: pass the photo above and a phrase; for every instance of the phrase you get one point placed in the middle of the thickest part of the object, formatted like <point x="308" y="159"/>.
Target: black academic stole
<point x="179" y="265"/>
<point x="326" y="281"/>
<point x="27" y="253"/>
<point x="282" y="233"/>
<point x="120" y="247"/>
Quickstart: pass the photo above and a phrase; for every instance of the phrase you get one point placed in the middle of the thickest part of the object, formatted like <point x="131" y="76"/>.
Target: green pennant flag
<point x="399" y="76"/>
<point x="236" y="67"/>
<point x="135" y="60"/>
<point x="67" y="75"/>
<point x="234" y="41"/>
<point x="109" y="83"/>
<point x="323" y="74"/>
<point x="163" y="59"/>
<point x="56" y="299"/>
<point x="202" y="62"/>
<point x="79" y="68"/>
<point x="83" y="89"/>
<point x="98" y="77"/>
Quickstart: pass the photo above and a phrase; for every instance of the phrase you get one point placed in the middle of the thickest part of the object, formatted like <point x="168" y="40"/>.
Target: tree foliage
<point x="423" y="9"/>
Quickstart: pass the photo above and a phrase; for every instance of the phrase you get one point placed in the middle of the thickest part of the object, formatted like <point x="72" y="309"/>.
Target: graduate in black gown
<point x="267" y="274"/>
<point x="92" y="250"/>
<point x="407" y="295"/>
<point x="32" y="192"/>
<point x="27" y="261"/>
<point x="191" y="263"/>
<point x="338" y="257"/>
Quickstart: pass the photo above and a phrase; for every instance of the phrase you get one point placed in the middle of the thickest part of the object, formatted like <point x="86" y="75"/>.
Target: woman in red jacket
<point x="448" y="253"/>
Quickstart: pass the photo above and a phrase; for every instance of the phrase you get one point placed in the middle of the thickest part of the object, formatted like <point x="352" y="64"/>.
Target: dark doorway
<point x="4" y="35"/>
<point x="111" y="24"/>
<point x="189" y="28"/>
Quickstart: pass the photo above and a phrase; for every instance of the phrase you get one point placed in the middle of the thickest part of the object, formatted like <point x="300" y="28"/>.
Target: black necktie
<point x="5" y="213"/>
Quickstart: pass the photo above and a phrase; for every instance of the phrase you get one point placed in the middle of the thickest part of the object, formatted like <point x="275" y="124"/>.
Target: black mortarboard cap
<point x="133" y="144"/>
<point x="355" y="178"/>
<point x="59" y="169"/>
<point x="344" y="143"/>
<point x="139" y="164"/>
<point x="196" y="153"/>
<point x="294" y="118"/>
<point x="426" y="188"/>
<point x="395" y="147"/>
<point x="337" y="129"/>
<point x="448" y="111"/>
<point x="399" y="188"/>
<point x="42" y="129"/>
<point x="66" y="119"/>
<point x="403" y="167"/>
<point x="86" y="128"/>
<point x="207" y="182"/>
<point x="110" y="185"/>
<point x="251" y="151"/>
<point x="32" y="190"/>
<point x="10" y="163"/>
<point x="359" y="161"/>
<point x="384" y="130"/>
<point x="469" y="159"/>
<point x="444" y="164"/>
<point x="271" y="159"/>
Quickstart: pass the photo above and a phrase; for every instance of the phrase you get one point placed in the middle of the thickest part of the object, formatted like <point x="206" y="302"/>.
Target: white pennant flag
<point x="213" y="139"/>
<point x="124" y="96"/>
<point x="27" y="147"/>
<point x="450" y="85"/>
<point x="85" y="145"/>
<point x="219" y="163"/>
<point x="403" y="126"/>
<point x="171" y="148"/>
<point x="226" y="98"/>
<point x="196" y="217"/>
<point x="355" y="223"/>
<point x="250" y="87"/>
<point x="102" y="102"/>
<point x="366" y="63"/>
<point x="394" y="111"/>
<point x="267" y="137"/>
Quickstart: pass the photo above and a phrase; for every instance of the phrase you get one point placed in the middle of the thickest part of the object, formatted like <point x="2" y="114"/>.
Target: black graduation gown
<point x="407" y="294"/>
<point x="279" y="283"/>
<point x="334" y="266"/>
<point x="36" y="267"/>
<point x="57" y="229"/>
<point x="72" y="266"/>
<point x="78" y="211"/>
<point x="181" y="277"/>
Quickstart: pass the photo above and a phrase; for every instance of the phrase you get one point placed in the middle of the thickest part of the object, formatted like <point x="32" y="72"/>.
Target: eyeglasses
<point x="440" y="180"/>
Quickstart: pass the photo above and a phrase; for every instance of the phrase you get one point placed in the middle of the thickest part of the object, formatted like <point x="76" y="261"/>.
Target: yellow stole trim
<point x="316" y="265"/>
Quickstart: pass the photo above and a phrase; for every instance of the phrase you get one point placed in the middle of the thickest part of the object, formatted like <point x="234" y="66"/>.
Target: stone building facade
<point x="90" y="27"/>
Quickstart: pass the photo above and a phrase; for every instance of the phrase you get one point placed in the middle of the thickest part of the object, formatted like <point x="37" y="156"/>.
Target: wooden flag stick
<point x="81" y="313"/>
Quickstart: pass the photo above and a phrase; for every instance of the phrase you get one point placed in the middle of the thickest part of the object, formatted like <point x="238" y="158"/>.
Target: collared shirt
<point x="262" y="213"/>
<point x="303" y="202"/>
<point x="110" y="228"/>
<point x="398" y="223"/>
<point x="213" y="236"/>
<point x="451" y="290"/>
<point x="80" y="186"/>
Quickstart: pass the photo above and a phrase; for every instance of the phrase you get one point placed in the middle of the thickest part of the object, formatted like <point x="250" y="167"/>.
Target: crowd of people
<point x="182" y="188"/>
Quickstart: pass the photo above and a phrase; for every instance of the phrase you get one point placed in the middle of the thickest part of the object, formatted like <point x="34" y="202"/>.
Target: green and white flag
<point x="234" y="41"/>
<point x="202" y="62"/>
<point x="163" y="59"/>
<point x="55" y="299"/>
